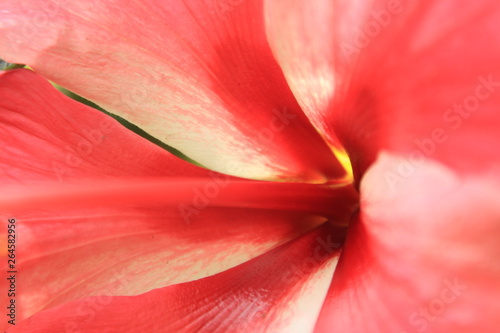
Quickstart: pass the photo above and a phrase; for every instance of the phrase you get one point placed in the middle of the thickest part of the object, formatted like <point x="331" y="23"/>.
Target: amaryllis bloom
<point x="351" y="154"/>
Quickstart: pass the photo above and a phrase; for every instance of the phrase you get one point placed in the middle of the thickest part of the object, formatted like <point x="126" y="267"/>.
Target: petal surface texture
<point x="103" y="211"/>
<point x="49" y="137"/>
<point x="419" y="260"/>
<point x="280" y="291"/>
<point x="194" y="74"/>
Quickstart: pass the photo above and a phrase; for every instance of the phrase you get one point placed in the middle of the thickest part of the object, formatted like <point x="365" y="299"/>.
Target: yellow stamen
<point x="344" y="160"/>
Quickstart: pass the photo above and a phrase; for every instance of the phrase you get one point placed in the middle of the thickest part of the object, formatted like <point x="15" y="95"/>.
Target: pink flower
<point x="115" y="234"/>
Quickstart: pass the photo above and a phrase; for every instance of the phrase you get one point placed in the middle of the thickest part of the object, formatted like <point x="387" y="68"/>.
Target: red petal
<point x="196" y="75"/>
<point x="46" y="136"/>
<point x="300" y="35"/>
<point x="413" y="77"/>
<point x="128" y="251"/>
<point x="423" y="256"/>
<point x="281" y="291"/>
